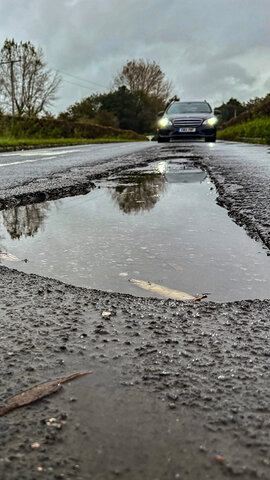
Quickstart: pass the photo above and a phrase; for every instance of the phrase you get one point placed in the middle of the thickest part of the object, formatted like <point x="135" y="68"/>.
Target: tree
<point x="259" y="105"/>
<point x="231" y="109"/>
<point x="134" y="110"/>
<point x="144" y="76"/>
<point x="27" y="87"/>
<point x="120" y="108"/>
<point x="119" y="104"/>
<point x="140" y="92"/>
<point x="86" y="109"/>
<point x="122" y="103"/>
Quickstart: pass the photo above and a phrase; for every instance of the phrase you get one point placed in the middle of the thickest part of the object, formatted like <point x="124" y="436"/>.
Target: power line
<point x="82" y="79"/>
<point x="78" y="85"/>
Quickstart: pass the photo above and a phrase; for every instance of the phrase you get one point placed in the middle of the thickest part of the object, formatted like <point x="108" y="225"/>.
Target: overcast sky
<point x="210" y="49"/>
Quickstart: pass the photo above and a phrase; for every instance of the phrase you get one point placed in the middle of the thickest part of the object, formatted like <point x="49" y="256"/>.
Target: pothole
<point x="158" y="224"/>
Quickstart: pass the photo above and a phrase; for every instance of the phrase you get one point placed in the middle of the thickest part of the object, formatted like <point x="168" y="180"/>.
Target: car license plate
<point x="187" y="130"/>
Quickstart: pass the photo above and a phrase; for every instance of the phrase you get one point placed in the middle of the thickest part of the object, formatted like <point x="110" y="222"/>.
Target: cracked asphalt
<point x="177" y="390"/>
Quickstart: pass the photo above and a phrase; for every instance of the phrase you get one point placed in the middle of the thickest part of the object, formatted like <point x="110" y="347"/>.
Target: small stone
<point x="220" y="459"/>
<point x="35" y="445"/>
<point x="172" y="396"/>
<point x="106" y="314"/>
<point x="58" y="426"/>
<point x="172" y="405"/>
<point x="101" y="331"/>
<point x="203" y="448"/>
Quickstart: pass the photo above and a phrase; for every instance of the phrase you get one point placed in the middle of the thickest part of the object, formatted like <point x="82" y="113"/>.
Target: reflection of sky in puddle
<point x="165" y="228"/>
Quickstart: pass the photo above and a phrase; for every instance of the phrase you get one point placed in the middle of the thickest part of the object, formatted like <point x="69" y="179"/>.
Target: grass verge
<point x="253" y="131"/>
<point x="17" y="143"/>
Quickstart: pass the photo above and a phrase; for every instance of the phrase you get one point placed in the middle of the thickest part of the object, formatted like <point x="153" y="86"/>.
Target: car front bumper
<point x="171" y="132"/>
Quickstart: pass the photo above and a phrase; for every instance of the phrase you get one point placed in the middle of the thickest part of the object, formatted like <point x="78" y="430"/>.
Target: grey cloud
<point x="203" y="48"/>
<point x="218" y="81"/>
<point x="267" y="85"/>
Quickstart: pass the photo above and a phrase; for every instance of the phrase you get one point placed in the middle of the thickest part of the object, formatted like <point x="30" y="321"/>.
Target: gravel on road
<point x="178" y="390"/>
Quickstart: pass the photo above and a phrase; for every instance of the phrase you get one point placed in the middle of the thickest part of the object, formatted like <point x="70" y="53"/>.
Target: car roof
<point x="190" y="101"/>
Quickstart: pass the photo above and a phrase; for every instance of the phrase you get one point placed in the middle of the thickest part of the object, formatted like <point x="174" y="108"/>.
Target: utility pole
<point x="11" y="62"/>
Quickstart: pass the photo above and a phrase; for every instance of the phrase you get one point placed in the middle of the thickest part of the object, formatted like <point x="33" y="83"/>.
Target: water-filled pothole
<point x="158" y="224"/>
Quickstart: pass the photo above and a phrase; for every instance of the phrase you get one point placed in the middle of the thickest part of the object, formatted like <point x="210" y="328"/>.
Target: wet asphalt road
<point x="178" y="390"/>
<point x="17" y="168"/>
<point x="241" y="173"/>
<point x="143" y="224"/>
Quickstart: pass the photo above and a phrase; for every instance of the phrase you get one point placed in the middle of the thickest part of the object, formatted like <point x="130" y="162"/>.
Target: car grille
<point x="187" y="122"/>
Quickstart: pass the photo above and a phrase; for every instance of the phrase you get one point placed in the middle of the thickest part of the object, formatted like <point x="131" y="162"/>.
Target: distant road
<point x="17" y="168"/>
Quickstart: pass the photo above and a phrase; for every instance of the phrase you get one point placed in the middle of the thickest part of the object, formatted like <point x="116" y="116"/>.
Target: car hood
<point x="204" y="116"/>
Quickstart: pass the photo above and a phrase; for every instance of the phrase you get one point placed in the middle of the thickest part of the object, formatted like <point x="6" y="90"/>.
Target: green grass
<point x="7" y="142"/>
<point x="254" y="131"/>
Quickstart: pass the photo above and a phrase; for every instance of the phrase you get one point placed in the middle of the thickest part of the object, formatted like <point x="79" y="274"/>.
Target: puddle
<point x="158" y="224"/>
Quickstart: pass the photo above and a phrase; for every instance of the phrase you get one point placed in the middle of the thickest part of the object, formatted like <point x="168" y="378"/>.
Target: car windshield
<point x="189" y="107"/>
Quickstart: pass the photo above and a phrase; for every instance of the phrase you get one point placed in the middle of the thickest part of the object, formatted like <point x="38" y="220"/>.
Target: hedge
<point x="30" y="127"/>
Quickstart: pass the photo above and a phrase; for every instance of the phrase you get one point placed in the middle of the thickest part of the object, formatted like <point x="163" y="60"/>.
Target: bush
<point x="258" y="128"/>
<point x="28" y="127"/>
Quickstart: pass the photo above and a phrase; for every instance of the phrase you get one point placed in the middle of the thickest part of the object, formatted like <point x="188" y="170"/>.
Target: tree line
<point x="234" y="111"/>
<point x="28" y="88"/>
<point x="140" y="90"/>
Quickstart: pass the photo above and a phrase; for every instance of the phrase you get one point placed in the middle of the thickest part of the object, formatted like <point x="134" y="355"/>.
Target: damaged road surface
<point x="178" y="389"/>
<point x="152" y="231"/>
<point x="19" y="168"/>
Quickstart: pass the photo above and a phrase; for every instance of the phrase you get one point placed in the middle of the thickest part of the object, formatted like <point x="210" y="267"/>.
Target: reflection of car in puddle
<point x="194" y="175"/>
<point x="186" y="176"/>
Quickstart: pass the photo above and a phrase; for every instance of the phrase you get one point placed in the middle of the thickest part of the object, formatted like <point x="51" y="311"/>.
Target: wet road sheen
<point x="23" y="166"/>
<point x="158" y="224"/>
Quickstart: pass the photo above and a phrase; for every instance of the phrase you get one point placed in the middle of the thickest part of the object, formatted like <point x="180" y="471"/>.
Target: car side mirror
<point x="160" y="114"/>
<point x="217" y="112"/>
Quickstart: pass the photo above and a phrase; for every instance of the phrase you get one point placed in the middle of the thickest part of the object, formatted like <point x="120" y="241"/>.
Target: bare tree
<point x="27" y="87"/>
<point x="144" y="76"/>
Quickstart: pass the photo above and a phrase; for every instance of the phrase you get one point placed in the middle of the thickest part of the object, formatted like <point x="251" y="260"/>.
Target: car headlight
<point x="210" y="121"/>
<point x="164" y="122"/>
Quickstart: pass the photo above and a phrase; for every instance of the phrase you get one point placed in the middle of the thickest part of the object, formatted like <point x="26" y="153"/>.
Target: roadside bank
<point x="256" y="130"/>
